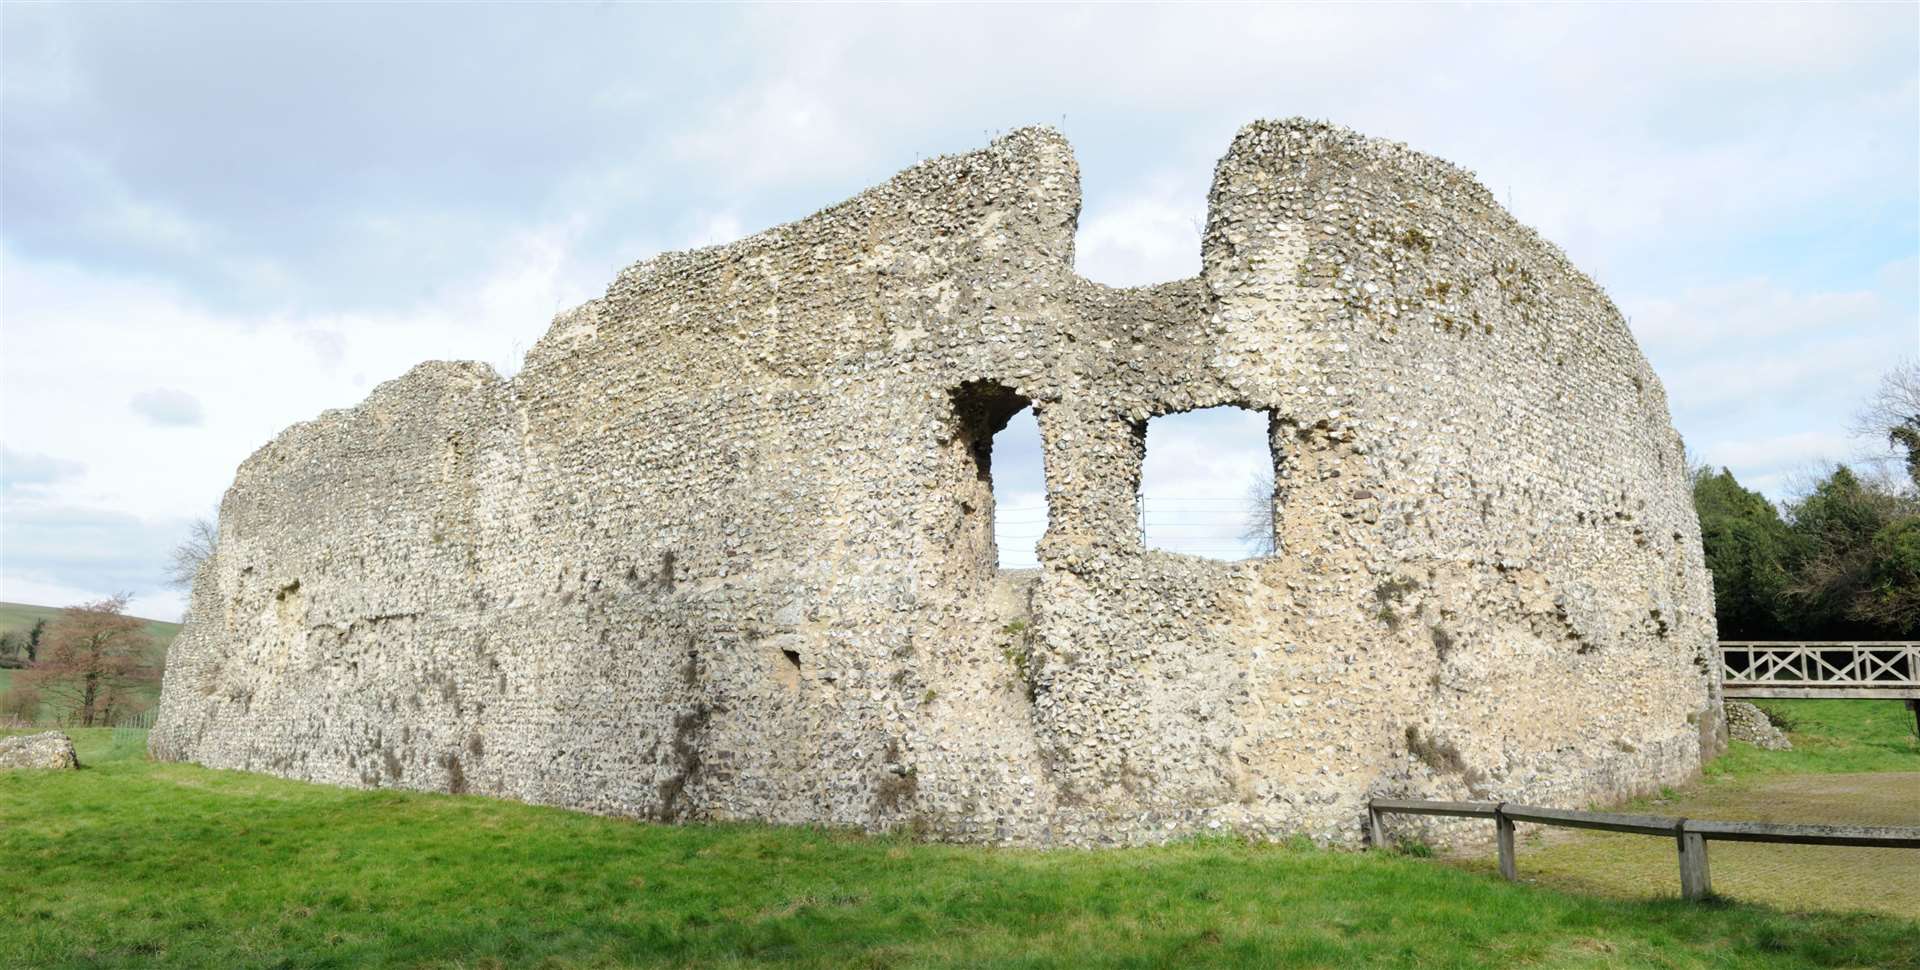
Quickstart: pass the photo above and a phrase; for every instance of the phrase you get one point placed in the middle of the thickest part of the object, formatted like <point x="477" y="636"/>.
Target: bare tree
<point x="1892" y="417"/>
<point x="202" y="537"/>
<point x="1258" y="532"/>
<point x="94" y="663"/>
<point x="20" y="706"/>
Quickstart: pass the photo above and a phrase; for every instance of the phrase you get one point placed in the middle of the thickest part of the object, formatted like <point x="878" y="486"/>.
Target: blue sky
<point x="216" y="220"/>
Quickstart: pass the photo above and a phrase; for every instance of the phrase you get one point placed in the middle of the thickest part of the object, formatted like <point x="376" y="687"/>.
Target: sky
<point x="217" y="220"/>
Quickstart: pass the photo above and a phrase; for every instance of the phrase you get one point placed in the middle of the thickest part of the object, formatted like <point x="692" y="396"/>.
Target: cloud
<point x="271" y="370"/>
<point x="329" y="346"/>
<point x="1150" y="236"/>
<point x="1744" y="177"/>
<point x="1832" y="371"/>
<point x="59" y="554"/>
<point x="779" y="132"/>
<point x="1779" y="453"/>
<point x="169" y="408"/>
<point x="1748" y="310"/>
<point x="716" y="228"/>
<point x="19" y="468"/>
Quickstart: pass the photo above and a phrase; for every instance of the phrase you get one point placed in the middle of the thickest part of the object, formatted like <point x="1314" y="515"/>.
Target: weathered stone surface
<point x="723" y="549"/>
<point x="1748" y="723"/>
<point x="49" y="749"/>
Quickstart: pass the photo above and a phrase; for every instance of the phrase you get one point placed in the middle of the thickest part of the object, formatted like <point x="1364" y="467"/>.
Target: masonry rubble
<point x="1746" y="722"/>
<point x="723" y="548"/>
<point x="48" y="749"/>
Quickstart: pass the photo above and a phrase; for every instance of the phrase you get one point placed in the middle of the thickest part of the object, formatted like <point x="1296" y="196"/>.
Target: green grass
<point x="129" y="863"/>
<point x="1854" y="762"/>
<point x="1830" y="736"/>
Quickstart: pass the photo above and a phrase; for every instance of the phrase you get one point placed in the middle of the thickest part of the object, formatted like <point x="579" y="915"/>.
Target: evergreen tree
<point x="1749" y="550"/>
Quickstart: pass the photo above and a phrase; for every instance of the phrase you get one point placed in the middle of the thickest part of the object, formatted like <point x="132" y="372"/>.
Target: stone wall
<point x="723" y="549"/>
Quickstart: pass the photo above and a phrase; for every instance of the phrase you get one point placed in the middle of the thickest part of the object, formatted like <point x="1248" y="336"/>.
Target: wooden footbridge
<point x="1887" y="669"/>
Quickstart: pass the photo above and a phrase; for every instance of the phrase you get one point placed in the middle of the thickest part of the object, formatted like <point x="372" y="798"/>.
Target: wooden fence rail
<point x="1690" y="835"/>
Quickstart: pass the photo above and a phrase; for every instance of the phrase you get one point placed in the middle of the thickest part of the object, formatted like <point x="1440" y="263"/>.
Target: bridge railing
<point x="1789" y="668"/>
<point x="1690" y="835"/>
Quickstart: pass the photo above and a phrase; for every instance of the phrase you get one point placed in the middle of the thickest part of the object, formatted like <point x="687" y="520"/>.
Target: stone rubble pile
<point x="1748" y="723"/>
<point x="49" y="749"/>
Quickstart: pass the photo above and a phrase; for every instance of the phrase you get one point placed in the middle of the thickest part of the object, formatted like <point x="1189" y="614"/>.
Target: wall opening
<point x="1207" y="484"/>
<point x="1141" y="234"/>
<point x="1005" y="506"/>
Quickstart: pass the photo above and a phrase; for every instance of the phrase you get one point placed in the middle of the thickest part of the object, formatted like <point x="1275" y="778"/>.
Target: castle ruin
<point x="724" y="548"/>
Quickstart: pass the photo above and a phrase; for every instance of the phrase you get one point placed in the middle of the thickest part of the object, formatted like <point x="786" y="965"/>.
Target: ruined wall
<point x="723" y="548"/>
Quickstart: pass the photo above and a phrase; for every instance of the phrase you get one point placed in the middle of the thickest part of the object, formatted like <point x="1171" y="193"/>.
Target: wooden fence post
<point x="1695" y="883"/>
<point x="1376" y="834"/>
<point x="1503" y="833"/>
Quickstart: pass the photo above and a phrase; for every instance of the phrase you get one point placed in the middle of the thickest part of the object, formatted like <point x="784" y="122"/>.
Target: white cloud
<point x="1779" y="452"/>
<point x="251" y="377"/>
<point x="779" y="131"/>
<point x="1745" y="311"/>
<point x="20" y="469"/>
<point x="1679" y="154"/>
<point x="715" y="228"/>
<point x="1149" y="237"/>
<point x="168" y="407"/>
<point x="58" y="554"/>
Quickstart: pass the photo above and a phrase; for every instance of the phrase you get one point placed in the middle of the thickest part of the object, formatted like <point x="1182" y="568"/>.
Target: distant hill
<point x="21" y="616"/>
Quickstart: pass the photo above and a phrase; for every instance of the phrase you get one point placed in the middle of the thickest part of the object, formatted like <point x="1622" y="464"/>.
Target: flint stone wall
<point x="723" y="548"/>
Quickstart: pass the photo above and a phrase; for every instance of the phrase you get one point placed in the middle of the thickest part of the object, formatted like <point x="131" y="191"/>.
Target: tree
<point x="1891" y="600"/>
<point x="1749" y="550"/>
<point x="20" y="705"/>
<point x="1859" y="568"/>
<point x="34" y="637"/>
<point x="13" y="649"/>
<point x="1892" y="415"/>
<point x="94" y="662"/>
<point x="1259" y="530"/>
<point x="202" y="537"/>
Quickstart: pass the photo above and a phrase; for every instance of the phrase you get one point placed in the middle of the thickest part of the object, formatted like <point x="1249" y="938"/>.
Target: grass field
<point x="20" y="617"/>
<point x="129" y="863"/>
<point x="1830" y="736"/>
<point x="1854" y="762"/>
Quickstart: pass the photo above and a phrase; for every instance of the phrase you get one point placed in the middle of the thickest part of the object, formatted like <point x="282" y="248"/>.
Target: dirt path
<point x="1786" y="876"/>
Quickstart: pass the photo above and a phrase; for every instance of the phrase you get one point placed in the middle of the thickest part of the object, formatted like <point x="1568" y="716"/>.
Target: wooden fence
<point x="1690" y="835"/>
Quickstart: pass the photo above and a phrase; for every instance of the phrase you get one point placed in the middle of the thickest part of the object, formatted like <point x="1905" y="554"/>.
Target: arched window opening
<point x="1019" y="492"/>
<point x="1007" y="505"/>
<point x="1207" y="484"/>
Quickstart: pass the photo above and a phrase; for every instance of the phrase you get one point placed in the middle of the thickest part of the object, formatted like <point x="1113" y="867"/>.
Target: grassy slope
<point x="21" y="617"/>
<point x="1830" y="736"/>
<point x="135" y="864"/>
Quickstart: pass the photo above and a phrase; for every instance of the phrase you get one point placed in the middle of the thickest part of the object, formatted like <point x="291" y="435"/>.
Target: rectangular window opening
<point x="1207" y="484"/>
